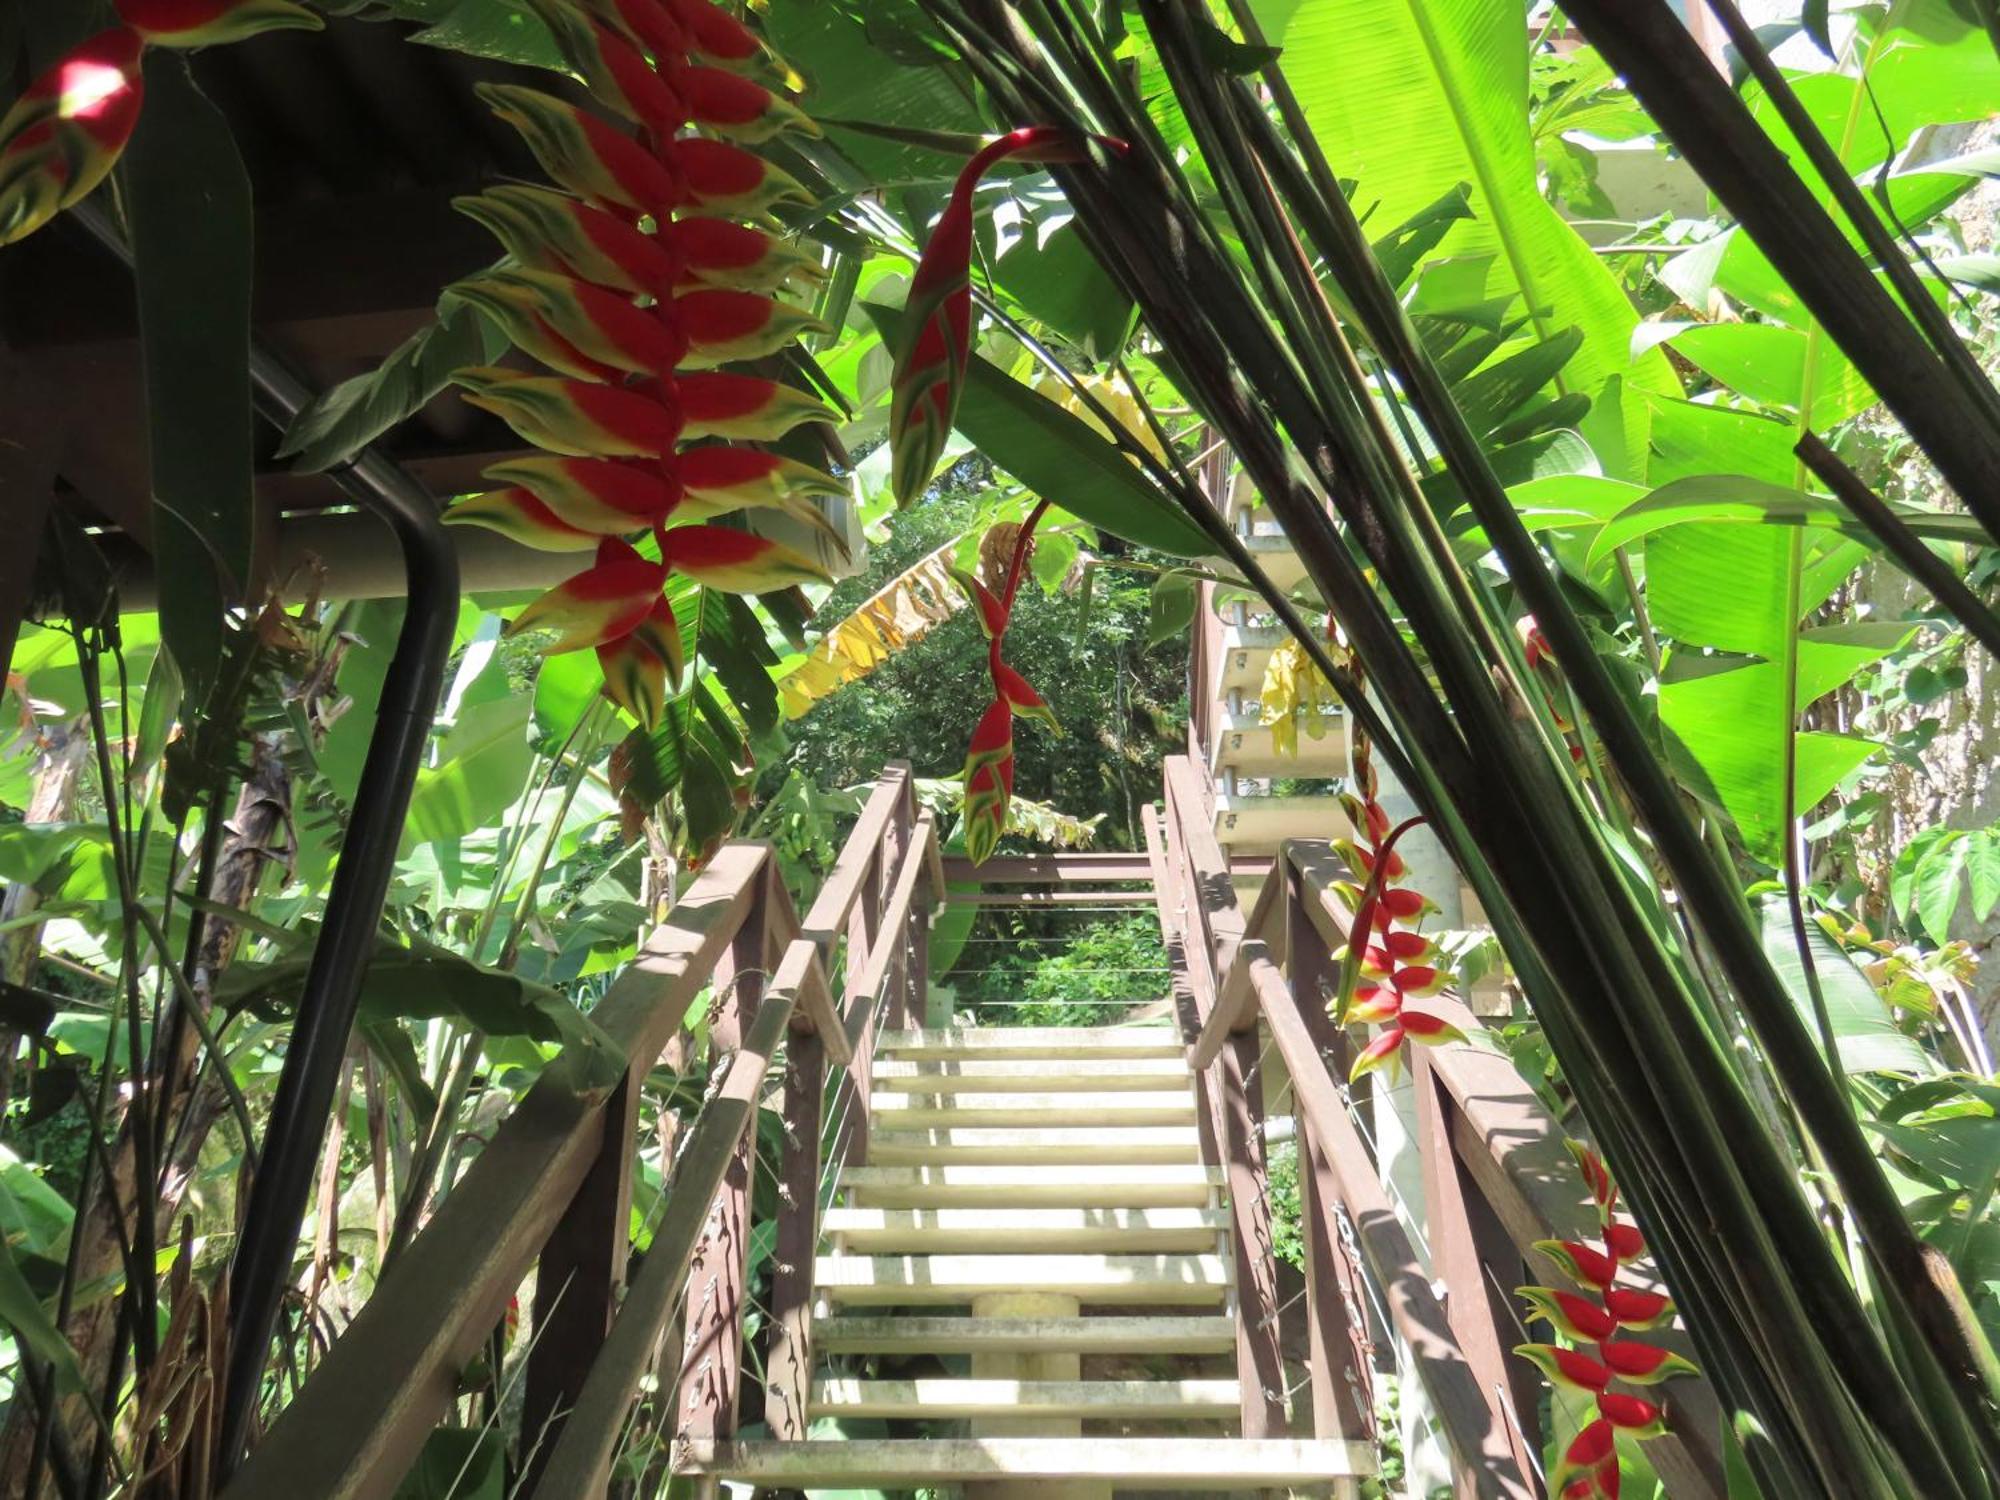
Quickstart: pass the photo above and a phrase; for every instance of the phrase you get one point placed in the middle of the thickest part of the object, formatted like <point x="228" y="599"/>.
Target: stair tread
<point x="1140" y="1462"/>
<point x="1153" y="1107"/>
<point x="1033" y="1041"/>
<point x="903" y="1280"/>
<point x="1050" y="1185"/>
<point x="942" y="1229"/>
<point x="952" y="1396"/>
<point x="1161" y="1334"/>
<point x="1105" y="1144"/>
<point x="1032" y="1075"/>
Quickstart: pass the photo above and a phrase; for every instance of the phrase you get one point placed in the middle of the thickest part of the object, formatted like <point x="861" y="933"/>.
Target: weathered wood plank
<point x="788" y="1366"/>
<point x="357" y="1425"/>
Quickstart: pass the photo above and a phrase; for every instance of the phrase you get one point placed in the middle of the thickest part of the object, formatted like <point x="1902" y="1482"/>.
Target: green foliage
<point x="1021" y="970"/>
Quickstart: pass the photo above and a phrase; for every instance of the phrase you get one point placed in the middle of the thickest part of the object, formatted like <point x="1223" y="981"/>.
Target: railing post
<point x="711" y="1370"/>
<point x="895" y="842"/>
<point x="1260" y="1360"/>
<point x="788" y="1365"/>
<point x="1469" y="1247"/>
<point x="1337" y="1345"/>
<point x="863" y="932"/>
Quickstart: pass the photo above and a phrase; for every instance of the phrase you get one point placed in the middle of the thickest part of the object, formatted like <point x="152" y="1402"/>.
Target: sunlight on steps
<point x="1030" y="1284"/>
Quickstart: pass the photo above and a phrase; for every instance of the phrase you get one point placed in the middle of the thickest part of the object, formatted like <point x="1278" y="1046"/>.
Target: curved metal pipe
<point x="332" y="990"/>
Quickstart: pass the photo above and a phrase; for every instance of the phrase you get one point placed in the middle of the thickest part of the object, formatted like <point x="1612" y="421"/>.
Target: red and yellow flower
<point x="629" y="305"/>
<point x="1588" y="1469"/>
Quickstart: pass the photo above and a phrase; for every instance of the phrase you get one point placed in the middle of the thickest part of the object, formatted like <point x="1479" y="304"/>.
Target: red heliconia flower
<point x="1636" y="1309"/>
<point x="553" y="231"/>
<point x="1595" y="1444"/>
<point x="615" y="71"/>
<point x="1378" y="821"/>
<point x="201" y="23"/>
<point x="1570" y="1315"/>
<point x="1418" y="979"/>
<point x="1642" y="1364"/>
<point x="575" y="417"/>
<point x="516" y="513"/>
<point x="719" y="253"/>
<point x="723" y="179"/>
<point x="993" y="614"/>
<point x="1596" y="1177"/>
<point x="606" y="496"/>
<point x="736" y="562"/>
<point x="1404" y="904"/>
<point x="730" y="478"/>
<point x="1397" y="868"/>
<point x="64" y="134"/>
<point x="599" y="604"/>
<point x="722" y="325"/>
<point x="1624" y="1241"/>
<point x="1373" y="1005"/>
<point x="937" y="328"/>
<point x="1589" y="1267"/>
<point x="1533" y="643"/>
<point x="586" y="155"/>
<point x="1432" y="1031"/>
<point x="1020" y="697"/>
<point x="1377" y="962"/>
<point x="647" y="22"/>
<point x="745" y="408"/>
<point x="1382" y="1052"/>
<point x="989" y="780"/>
<point x="642" y="668"/>
<point x="714" y="33"/>
<point x="1631" y="1414"/>
<point x="573" y="326"/>
<point x="1567" y="1367"/>
<point x="1407" y="947"/>
<point x="732" y="106"/>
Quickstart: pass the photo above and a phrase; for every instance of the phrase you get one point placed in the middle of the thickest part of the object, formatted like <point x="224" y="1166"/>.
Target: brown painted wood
<point x="1469" y="1249"/>
<point x="1339" y="1354"/>
<point x="711" y="1372"/>
<point x="788" y="1364"/>
<point x="357" y="1425"/>
<point x="1260" y="1360"/>
<point x="581" y="1462"/>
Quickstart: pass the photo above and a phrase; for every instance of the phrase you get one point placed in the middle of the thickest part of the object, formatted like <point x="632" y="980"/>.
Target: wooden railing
<point x="1496" y="1177"/>
<point x="553" y="1189"/>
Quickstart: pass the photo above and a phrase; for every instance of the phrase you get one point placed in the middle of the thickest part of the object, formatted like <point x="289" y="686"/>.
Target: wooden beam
<point x="866" y="988"/>
<point x="581" y="1462"/>
<point x="788" y="1364"/>
<point x="1464" y="1417"/>
<point x="356" y="1427"/>
<point x="1049" y="898"/>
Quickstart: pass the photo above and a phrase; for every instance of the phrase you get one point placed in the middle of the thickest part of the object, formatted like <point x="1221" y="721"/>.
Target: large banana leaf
<point x="1412" y="97"/>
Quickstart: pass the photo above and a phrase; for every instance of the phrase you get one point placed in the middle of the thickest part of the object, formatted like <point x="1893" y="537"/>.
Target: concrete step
<point x="1177" y="1185"/>
<point x="920" y="1280"/>
<point x="1108" y="1145"/>
<point x="1243" y="743"/>
<point x="981" y="1075"/>
<point x="1157" y="1334"/>
<point x="1250" y="823"/>
<point x="1127" y="1463"/>
<point x="1025" y="1398"/>
<point x="910" y="1112"/>
<point x="935" y="1230"/>
<point x="1031" y="1041"/>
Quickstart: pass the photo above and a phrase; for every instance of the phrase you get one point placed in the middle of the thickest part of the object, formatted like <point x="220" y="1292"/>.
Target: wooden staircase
<point x="1034" y="1211"/>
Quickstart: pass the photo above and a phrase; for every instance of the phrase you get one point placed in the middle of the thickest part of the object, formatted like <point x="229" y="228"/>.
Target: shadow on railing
<point x="553" y="1190"/>
<point x="1496" y="1177"/>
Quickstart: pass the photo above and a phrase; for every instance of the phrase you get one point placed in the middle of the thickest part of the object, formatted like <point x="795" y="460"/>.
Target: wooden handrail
<point x="581" y="1461"/>
<point x="865" y="989"/>
<point x="358" y="1423"/>
<point x="556" y="1181"/>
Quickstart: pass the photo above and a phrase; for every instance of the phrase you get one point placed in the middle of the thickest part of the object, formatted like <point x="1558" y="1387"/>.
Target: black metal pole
<point x="332" y="990"/>
<point x="1673" y="78"/>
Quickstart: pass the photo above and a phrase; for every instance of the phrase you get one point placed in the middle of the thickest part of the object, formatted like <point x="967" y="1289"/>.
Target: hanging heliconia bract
<point x="1388" y="962"/>
<point x="65" y="133"/>
<point x="1598" y="1324"/>
<point x="651" y="263"/>
<point x="989" y="759"/>
<point x="936" y="341"/>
